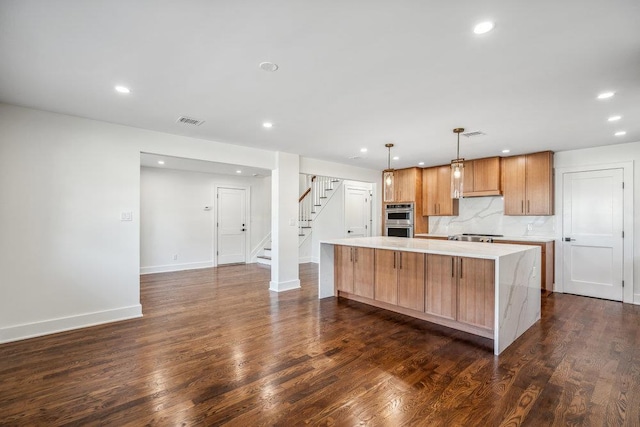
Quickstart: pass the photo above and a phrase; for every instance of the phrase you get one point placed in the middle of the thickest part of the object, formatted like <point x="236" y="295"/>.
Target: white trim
<point x="304" y="260"/>
<point x="247" y="216"/>
<point x="284" y="286"/>
<point x="175" y="267"/>
<point x="61" y="324"/>
<point x="628" y="211"/>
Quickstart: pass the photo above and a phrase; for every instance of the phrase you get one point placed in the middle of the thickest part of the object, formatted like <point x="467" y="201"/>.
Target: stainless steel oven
<point x="398" y="220"/>
<point x="400" y="213"/>
<point x="398" y="230"/>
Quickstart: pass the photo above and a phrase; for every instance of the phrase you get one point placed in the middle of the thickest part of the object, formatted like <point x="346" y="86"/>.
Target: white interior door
<point x="232" y="225"/>
<point x="592" y="226"/>
<point x="357" y="213"/>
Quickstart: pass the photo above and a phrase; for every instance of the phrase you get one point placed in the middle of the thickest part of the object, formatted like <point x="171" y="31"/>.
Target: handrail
<point x="304" y="195"/>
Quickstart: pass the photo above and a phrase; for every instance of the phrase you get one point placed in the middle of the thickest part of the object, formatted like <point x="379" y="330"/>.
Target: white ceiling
<point x="352" y="74"/>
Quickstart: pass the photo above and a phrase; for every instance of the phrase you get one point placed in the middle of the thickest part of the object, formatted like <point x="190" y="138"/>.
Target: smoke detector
<point x="189" y="121"/>
<point x="474" y="133"/>
<point x="268" y="66"/>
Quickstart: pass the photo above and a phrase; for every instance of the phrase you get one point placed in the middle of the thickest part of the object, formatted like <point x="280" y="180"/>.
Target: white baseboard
<point x="176" y="267"/>
<point x="636" y="299"/>
<point x="284" y="286"/>
<point x="305" y="259"/>
<point x="61" y="324"/>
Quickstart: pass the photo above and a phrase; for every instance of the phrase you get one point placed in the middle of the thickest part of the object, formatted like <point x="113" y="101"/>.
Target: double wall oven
<point x="398" y="220"/>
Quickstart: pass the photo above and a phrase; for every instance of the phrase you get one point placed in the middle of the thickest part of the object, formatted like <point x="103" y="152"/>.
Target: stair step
<point x="317" y="205"/>
<point x="305" y="227"/>
<point x="263" y="260"/>
<point x="301" y="235"/>
<point x="264" y="257"/>
<point x="321" y="198"/>
<point x="335" y="180"/>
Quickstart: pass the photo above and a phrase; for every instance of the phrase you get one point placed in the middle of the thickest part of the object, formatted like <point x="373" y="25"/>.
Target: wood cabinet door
<point x="539" y="190"/>
<point x="446" y="205"/>
<point x="363" y="269"/>
<point x="430" y="191"/>
<point x="486" y="175"/>
<point x="405" y="185"/>
<point x="476" y="291"/>
<point x="468" y="182"/>
<point x="513" y="184"/>
<point x="386" y="276"/>
<point x="343" y="267"/>
<point x="440" y="288"/>
<point x="411" y="280"/>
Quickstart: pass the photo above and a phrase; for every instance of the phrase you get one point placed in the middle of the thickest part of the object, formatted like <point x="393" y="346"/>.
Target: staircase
<point x="312" y="201"/>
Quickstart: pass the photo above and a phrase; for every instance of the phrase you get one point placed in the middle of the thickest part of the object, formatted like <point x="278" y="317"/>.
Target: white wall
<point x="66" y="259"/>
<point x="618" y="153"/>
<point x="174" y="221"/>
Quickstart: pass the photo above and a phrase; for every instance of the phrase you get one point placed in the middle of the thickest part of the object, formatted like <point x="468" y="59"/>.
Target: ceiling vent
<point x="189" y="121"/>
<point x="474" y="133"/>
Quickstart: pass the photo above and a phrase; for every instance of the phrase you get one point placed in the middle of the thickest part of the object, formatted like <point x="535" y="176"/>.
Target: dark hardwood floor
<point x="215" y="347"/>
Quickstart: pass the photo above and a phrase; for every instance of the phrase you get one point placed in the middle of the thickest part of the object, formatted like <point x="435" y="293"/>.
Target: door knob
<point x="348" y="231"/>
<point x="242" y="229"/>
<point x="569" y="239"/>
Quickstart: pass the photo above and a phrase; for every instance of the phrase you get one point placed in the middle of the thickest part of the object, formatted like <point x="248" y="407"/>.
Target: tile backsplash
<point x="485" y="215"/>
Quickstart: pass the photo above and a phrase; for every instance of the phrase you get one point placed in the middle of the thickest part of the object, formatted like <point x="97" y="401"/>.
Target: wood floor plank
<point x="216" y="347"/>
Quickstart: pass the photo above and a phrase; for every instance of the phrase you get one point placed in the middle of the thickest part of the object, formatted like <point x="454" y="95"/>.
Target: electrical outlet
<point x="175" y="257"/>
<point x="126" y="216"/>
<point x="530" y="226"/>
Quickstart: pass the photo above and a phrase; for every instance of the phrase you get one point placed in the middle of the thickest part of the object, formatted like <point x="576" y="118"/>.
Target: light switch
<point x="126" y="216"/>
<point x="292" y="222"/>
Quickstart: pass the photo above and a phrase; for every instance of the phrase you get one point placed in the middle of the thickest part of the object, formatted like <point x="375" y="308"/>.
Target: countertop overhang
<point x="523" y="239"/>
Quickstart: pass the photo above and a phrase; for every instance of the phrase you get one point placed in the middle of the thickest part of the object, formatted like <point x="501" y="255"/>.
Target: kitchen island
<point x="487" y="290"/>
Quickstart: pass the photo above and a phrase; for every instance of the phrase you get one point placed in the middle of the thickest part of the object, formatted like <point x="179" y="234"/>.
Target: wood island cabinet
<point x="353" y="270"/>
<point x="440" y="293"/>
<point x="436" y="198"/>
<point x="461" y="289"/>
<point x="476" y="291"/>
<point x="482" y="177"/>
<point x="399" y="278"/>
<point x="527" y="183"/>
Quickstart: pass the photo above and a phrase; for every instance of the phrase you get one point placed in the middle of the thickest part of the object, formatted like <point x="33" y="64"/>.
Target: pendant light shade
<point x="457" y="170"/>
<point x="388" y="178"/>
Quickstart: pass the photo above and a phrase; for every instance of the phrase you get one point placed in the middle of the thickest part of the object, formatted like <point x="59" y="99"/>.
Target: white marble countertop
<point x="440" y="247"/>
<point x="524" y="239"/>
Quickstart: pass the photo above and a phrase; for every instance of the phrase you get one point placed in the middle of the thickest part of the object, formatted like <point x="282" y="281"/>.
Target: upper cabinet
<point x="406" y="183"/>
<point x="527" y="183"/>
<point x="436" y="196"/>
<point x="482" y="177"/>
<point x="407" y="188"/>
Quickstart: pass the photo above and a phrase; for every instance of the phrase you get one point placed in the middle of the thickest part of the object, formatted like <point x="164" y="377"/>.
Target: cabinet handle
<point x="356" y="257"/>
<point x="522" y="206"/>
<point x="453" y="270"/>
<point x="528" y="206"/>
<point x="394" y="260"/>
<point x="400" y="255"/>
<point x="461" y="268"/>
<point x="351" y="254"/>
<point x="435" y="208"/>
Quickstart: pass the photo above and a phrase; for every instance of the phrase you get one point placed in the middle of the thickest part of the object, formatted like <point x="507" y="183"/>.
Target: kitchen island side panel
<point x="518" y="296"/>
<point x="326" y="277"/>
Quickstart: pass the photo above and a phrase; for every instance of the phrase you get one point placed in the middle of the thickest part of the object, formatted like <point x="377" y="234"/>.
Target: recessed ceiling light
<point x="614" y="118"/>
<point x="122" y="89"/>
<point x="484" y="27"/>
<point x="161" y="162"/>
<point x="620" y="133"/>
<point x="238" y="171"/>
<point x="505" y="151"/>
<point x="396" y="158"/>
<point x="267" y="125"/>
<point x="605" y="95"/>
<point x="363" y="150"/>
<point x="268" y="66"/>
<point x="420" y="163"/>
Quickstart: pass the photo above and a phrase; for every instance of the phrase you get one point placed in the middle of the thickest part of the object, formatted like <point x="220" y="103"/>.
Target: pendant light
<point x="457" y="170"/>
<point x="388" y="178"/>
